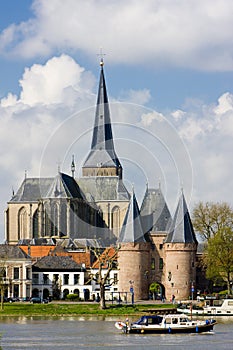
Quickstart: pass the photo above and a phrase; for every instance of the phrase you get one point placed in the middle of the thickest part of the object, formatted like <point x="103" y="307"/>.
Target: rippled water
<point x="99" y="333"/>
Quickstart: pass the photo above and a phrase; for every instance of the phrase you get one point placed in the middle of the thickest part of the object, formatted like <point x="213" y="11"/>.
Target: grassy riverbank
<point x="73" y="309"/>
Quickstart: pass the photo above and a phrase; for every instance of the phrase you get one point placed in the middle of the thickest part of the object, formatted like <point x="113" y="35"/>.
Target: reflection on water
<point x="99" y="333"/>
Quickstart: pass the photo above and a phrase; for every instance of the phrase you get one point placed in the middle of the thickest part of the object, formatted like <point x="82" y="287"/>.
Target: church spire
<point x="102" y="159"/>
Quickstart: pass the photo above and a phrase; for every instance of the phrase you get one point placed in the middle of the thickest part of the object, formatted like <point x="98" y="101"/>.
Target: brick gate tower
<point x="134" y="255"/>
<point x="180" y="255"/>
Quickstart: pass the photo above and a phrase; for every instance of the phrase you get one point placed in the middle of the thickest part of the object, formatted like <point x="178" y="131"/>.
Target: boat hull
<point x="173" y="330"/>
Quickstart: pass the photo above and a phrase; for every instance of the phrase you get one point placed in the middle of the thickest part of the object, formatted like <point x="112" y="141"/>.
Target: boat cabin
<point x="148" y="320"/>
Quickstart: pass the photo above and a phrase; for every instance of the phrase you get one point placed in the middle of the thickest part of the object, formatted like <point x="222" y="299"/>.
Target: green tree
<point x="155" y="288"/>
<point x="208" y="218"/>
<point x="218" y="257"/>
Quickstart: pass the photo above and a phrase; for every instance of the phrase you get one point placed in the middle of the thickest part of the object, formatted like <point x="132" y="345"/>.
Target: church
<point x="97" y="207"/>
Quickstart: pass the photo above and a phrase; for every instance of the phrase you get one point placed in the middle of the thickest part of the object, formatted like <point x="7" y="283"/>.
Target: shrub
<point x="72" y="297"/>
<point x="223" y="292"/>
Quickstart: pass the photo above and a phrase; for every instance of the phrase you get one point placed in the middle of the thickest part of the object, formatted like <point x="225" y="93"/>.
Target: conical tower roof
<point x="131" y="231"/>
<point x="102" y="154"/>
<point x="181" y="230"/>
<point x="155" y="215"/>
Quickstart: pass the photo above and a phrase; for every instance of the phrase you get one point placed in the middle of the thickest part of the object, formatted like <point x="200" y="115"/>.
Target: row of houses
<point x="53" y="270"/>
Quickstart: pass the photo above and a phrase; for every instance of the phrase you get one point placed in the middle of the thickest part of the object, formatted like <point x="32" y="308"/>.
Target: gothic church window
<point x="116" y="220"/>
<point x="54" y="220"/>
<point x="47" y="221"/>
<point x="35" y="227"/>
<point x="72" y="218"/>
<point x="22" y="223"/>
<point x="63" y="220"/>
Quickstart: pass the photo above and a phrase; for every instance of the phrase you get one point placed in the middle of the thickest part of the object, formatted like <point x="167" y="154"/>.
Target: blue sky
<point x="167" y="62"/>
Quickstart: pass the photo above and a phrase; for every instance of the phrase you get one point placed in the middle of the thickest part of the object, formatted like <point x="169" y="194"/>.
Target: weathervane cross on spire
<point x="101" y="55"/>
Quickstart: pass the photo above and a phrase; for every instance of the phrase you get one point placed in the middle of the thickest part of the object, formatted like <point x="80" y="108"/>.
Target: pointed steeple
<point x="181" y="230"/>
<point x="102" y="159"/>
<point x="132" y="229"/>
<point x="155" y="215"/>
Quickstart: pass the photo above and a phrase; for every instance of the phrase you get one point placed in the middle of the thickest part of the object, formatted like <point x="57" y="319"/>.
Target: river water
<point x="66" y="333"/>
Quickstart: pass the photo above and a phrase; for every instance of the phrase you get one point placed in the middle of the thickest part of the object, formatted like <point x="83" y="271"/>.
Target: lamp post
<point x="192" y="289"/>
<point x="131" y="289"/>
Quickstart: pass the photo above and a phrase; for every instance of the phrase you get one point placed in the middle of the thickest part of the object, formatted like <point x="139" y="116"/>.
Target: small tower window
<point x="152" y="264"/>
<point x="160" y="263"/>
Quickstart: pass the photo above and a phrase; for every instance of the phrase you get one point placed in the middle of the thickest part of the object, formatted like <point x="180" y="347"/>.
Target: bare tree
<point x="2" y="283"/>
<point x="105" y="261"/>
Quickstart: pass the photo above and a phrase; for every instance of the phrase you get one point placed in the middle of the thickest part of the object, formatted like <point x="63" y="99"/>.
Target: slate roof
<point x="64" y="186"/>
<point x="79" y="243"/>
<point x="32" y="189"/>
<point x="181" y="230"/>
<point x="100" y="188"/>
<point x="132" y="229"/>
<point x="12" y="252"/>
<point x="155" y="215"/>
<point x="60" y="186"/>
<point x="37" y="241"/>
<point x="102" y="152"/>
<point x="56" y="263"/>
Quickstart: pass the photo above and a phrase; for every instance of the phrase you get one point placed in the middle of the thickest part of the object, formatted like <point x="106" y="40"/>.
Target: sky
<point x="169" y="73"/>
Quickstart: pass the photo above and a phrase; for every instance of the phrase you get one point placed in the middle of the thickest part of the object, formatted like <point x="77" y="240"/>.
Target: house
<point x="15" y="272"/>
<point x="57" y="276"/>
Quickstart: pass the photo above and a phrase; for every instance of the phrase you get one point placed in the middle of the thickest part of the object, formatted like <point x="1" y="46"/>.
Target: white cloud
<point x="225" y="104"/>
<point x="148" y="118"/>
<point x="194" y="34"/>
<point x="139" y="97"/>
<point x="10" y="100"/>
<point x="208" y="134"/>
<point x="177" y="115"/>
<point x="47" y="84"/>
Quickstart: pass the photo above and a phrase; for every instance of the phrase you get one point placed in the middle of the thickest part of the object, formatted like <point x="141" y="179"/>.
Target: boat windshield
<point x="146" y="320"/>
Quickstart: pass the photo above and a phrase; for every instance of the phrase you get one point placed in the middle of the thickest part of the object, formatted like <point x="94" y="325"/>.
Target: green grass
<point x="72" y="309"/>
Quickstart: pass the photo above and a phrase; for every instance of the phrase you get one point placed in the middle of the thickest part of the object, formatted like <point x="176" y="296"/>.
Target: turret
<point x="133" y="256"/>
<point x="180" y="252"/>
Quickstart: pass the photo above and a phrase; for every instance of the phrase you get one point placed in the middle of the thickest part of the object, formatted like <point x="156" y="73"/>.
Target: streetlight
<point x="131" y="289"/>
<point x="192" y="288"/>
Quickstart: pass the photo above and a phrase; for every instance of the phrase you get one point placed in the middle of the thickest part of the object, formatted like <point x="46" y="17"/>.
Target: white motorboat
<point x="221" y="307"/>
<point x="166" y="324"/>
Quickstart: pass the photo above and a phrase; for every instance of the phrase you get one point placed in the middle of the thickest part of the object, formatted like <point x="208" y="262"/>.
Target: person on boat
<point x="127" y="323"/>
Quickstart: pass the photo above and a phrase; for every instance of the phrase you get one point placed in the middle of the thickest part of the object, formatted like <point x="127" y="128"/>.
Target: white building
<point x="57" y="276"/>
